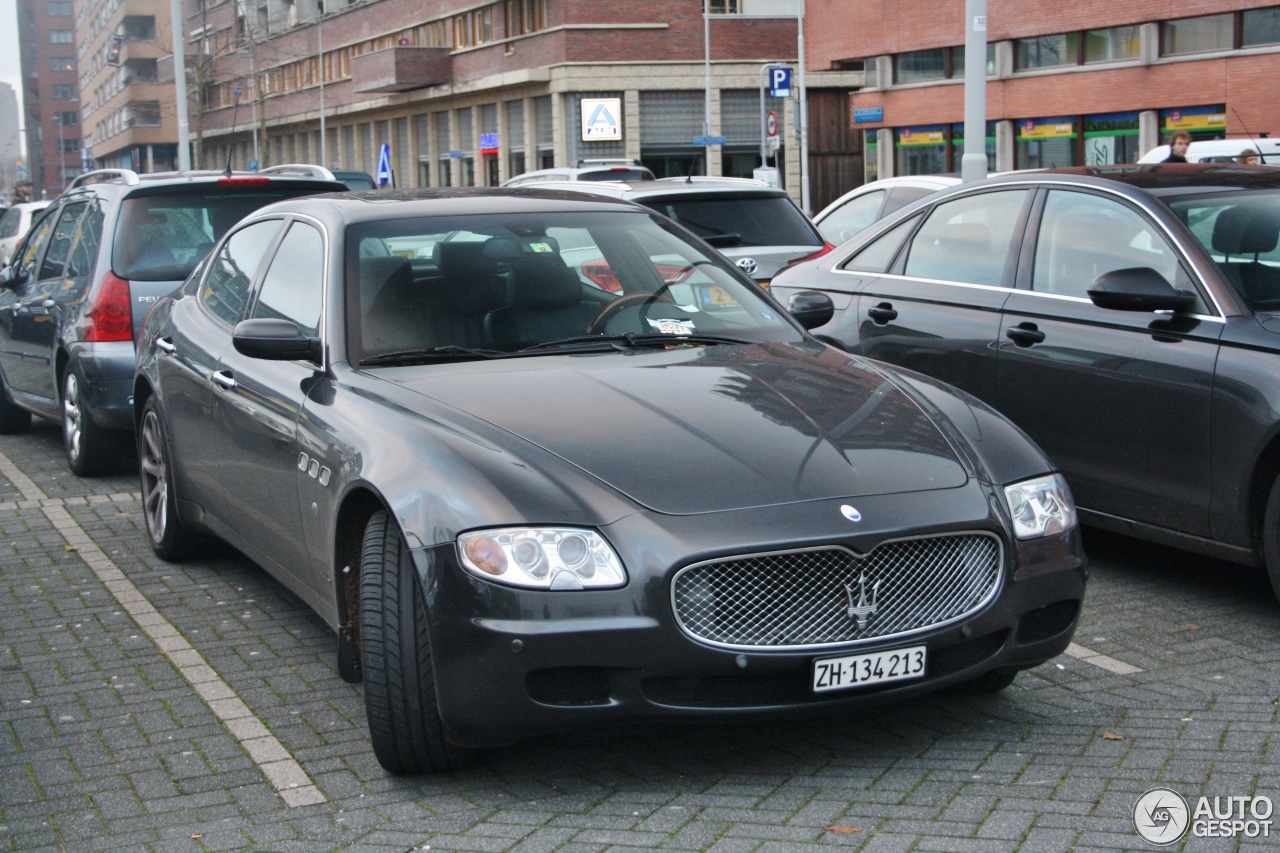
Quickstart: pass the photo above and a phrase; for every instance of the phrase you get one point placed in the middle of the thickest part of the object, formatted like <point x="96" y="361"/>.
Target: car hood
<point x="696" y="430"/>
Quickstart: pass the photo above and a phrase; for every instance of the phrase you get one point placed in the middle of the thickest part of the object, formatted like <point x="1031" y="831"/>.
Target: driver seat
<point x="544" y="303"/>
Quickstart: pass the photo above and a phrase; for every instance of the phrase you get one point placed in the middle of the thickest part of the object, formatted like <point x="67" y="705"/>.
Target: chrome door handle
<point x="223" y="378"/>
<point x="164" y="345"/>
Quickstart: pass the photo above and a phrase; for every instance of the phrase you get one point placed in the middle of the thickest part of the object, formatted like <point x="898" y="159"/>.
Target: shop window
<point x="1111" y="138"/>
<point x="1260" y="26"/>
<point x="1045" y="143"/>
<point x="920" y="150"/>
<point x="1197" y="35"/>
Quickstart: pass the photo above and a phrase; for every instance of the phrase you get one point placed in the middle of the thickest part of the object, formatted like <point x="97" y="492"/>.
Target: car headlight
<point x="1040" y="507"/>
<point x="555" y="558"/>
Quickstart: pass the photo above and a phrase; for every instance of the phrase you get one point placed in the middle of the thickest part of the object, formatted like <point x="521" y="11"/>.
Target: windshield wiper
<point x="630" y="340"/>
<point x="448" y="351"/>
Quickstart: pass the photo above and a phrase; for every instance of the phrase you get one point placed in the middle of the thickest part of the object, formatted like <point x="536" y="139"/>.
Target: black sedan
<point x="526" y="503"/>
<point x="1127" y="317"/>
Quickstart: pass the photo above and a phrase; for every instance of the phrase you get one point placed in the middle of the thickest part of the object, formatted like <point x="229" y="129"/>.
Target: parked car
<point x="74" y="295"/>
<point x="1125" y="317"/>
<point x="757" y="226"/>
<point x="353" y="180"/>
<point x="873" y="201"/>
<point x="525" y="503"/>
<point x="586" y="170"/>
<point x="16" y="222"/>
<point x="1220" y="150"/>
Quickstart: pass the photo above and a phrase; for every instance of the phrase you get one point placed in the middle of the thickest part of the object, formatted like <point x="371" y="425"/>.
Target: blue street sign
<point x="384" y="164"/>
<point x="237" y="92"/>
<point x="861" y="114"/>
<point x="253" y="165"/>
<point x="709" y="140"/>
<point x="779" y="81"/>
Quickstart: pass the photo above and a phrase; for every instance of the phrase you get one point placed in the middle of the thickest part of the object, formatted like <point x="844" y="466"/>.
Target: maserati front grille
<point x="830" y="596"/>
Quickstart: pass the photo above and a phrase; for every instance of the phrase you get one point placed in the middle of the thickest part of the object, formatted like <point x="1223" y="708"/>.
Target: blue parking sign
<point x="779" y="81"/>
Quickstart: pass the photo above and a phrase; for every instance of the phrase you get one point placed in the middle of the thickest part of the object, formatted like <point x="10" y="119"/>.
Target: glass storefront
<point x="1111" y="138"/>
<point x="1045" y="143"/>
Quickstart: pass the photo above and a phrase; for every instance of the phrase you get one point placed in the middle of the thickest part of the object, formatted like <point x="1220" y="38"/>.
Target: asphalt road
<point x="149" y="706"/>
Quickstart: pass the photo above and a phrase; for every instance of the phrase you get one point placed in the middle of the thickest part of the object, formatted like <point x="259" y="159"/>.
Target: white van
<point x="1220" y="151"/>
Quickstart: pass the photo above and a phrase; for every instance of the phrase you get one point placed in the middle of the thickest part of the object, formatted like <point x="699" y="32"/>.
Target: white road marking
<point x="276" y="763"/>
<point x="1106" y="662"/>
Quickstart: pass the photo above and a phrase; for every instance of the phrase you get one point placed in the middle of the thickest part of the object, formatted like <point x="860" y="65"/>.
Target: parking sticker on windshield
<point x="672" y="327"/>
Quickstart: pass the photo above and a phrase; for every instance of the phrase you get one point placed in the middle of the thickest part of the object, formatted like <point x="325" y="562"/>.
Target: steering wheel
<point x="622" y="303"/>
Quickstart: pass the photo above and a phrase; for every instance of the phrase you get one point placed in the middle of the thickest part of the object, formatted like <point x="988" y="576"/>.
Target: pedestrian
<point x="1247" y="157"/>
<point x="1178" y="147"/>
<point x="21" y="192"/>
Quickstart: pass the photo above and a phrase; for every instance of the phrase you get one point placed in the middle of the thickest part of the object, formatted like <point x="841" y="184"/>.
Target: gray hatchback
<point x="77" y="288"/>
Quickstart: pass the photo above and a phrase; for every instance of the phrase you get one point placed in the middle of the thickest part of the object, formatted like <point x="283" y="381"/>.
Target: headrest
<point x="471" y="284"/>
<point x="973" y="234"/>
<point x="376" y="272"/>
<point x="542" y="281"/>
<point x="1241" y="231"/>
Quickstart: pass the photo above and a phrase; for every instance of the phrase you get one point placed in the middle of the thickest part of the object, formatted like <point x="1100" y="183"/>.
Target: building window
<point x="1046" y="51"/>
<point x="920" y="65"/>
<point x="724" y="7"/>
<point x="1260" y="26"/>
<point x="525" y="16"/>
<point x="1111" y="44"/>
<point x="66" y="118"/>
<point x="1197" y="35"/>
<point x="62" y="36"/>
<point x="58" y="10"/>
<point x="1045" y="143"/>
<point x="64" y="92"/>
<point x="62" y="63"/>
<point x="68" y="146"/>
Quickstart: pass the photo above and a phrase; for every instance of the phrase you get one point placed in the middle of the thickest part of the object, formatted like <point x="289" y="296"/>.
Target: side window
<point x="9" y="224"/>
<point x="226" y="285"/>
<point x="851" y="217"/>
<point x="967" y="239"/>
<point x="1083" y="236"/>
<point x="64" y="233"/>
<point x="293" y="287"/>
<point x="85" y="252"/>
<point x="29" y="251"/>
<point x="879" y="255"/>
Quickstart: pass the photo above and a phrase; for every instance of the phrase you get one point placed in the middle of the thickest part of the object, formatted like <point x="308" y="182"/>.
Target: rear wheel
<point x="90" y="449"/>
<point x="169" y="537"/>
<point x="399" y="680"/>
<point x="12" y="418"/>
<point x="1271" y="537"/>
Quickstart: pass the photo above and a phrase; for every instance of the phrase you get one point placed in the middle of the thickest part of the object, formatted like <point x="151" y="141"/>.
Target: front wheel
<point x="399" y="678"/>
<point x="169" y="537"/>
<point x="90" y="449"/>
<point x="1271" y="537"/>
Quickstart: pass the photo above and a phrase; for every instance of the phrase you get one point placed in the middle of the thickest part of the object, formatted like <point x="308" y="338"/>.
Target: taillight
<point x="826" y="247"/>
<point x="244" y="182"/>
<point x="110" y="317"/>
<point x="598" y="270"/>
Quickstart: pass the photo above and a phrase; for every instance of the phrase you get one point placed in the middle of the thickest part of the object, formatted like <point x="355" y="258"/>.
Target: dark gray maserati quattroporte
<point x="528" y="499"/>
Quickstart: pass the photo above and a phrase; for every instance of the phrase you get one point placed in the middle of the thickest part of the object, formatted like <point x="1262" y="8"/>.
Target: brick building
<point x="50" y="98"/>
<point x="469" y="93"/>
<point x="1067" y="83"/>
<point x="126" y="105"/>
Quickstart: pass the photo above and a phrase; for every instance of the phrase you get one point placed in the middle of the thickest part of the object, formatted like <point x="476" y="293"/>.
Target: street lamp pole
<point x="324" y="145"/>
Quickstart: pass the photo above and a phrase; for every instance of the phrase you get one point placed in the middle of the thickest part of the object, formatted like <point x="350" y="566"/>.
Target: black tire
<point x="987" y="683"/>
<point x="169" y="537"/>
<point x="399" y="679"/>
<point x="1271" y="537"/>
<point x="12" y="419"/>
<point x="90" y="449"/>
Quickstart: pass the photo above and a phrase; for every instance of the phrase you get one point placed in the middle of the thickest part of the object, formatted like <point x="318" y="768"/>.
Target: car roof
<point x="637" y="190"/>
<point x="1157" y="179"/>
<point x="129" y="180"/>
<point x="374" y="205"/>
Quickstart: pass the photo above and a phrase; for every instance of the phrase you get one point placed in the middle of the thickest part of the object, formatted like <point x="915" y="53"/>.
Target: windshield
<point x="1240" y="232"/>
<point x="747" y="219"/>
<point x="513" y="283"/>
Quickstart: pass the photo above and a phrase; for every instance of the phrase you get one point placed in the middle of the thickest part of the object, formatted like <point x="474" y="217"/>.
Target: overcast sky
<point x="10" y="63"/>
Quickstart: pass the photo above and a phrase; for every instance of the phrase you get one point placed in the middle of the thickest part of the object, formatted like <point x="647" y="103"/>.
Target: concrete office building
<point x="10" y="140"/>
<point x="50" y="99"/>
<point x="1067" y="83"/>
<point x="469" y="93"/>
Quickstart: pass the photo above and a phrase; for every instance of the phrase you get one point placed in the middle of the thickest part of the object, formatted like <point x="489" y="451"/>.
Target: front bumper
<point x="511" y="663"/>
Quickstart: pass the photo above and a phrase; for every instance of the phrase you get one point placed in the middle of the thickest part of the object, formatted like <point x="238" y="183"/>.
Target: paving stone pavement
<point x="107" y="743"/>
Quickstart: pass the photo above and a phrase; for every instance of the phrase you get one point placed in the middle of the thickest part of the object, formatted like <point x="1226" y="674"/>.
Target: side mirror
<point x="1138" y="289"/>
<point x="274" y="340"/>
<point x="811" y="308"/>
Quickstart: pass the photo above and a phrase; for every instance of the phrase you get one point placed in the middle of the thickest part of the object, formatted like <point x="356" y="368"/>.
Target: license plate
<point x="874" y="668"/>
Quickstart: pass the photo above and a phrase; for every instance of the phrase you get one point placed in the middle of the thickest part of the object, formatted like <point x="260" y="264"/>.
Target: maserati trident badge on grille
<point x="863" y="610"/>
